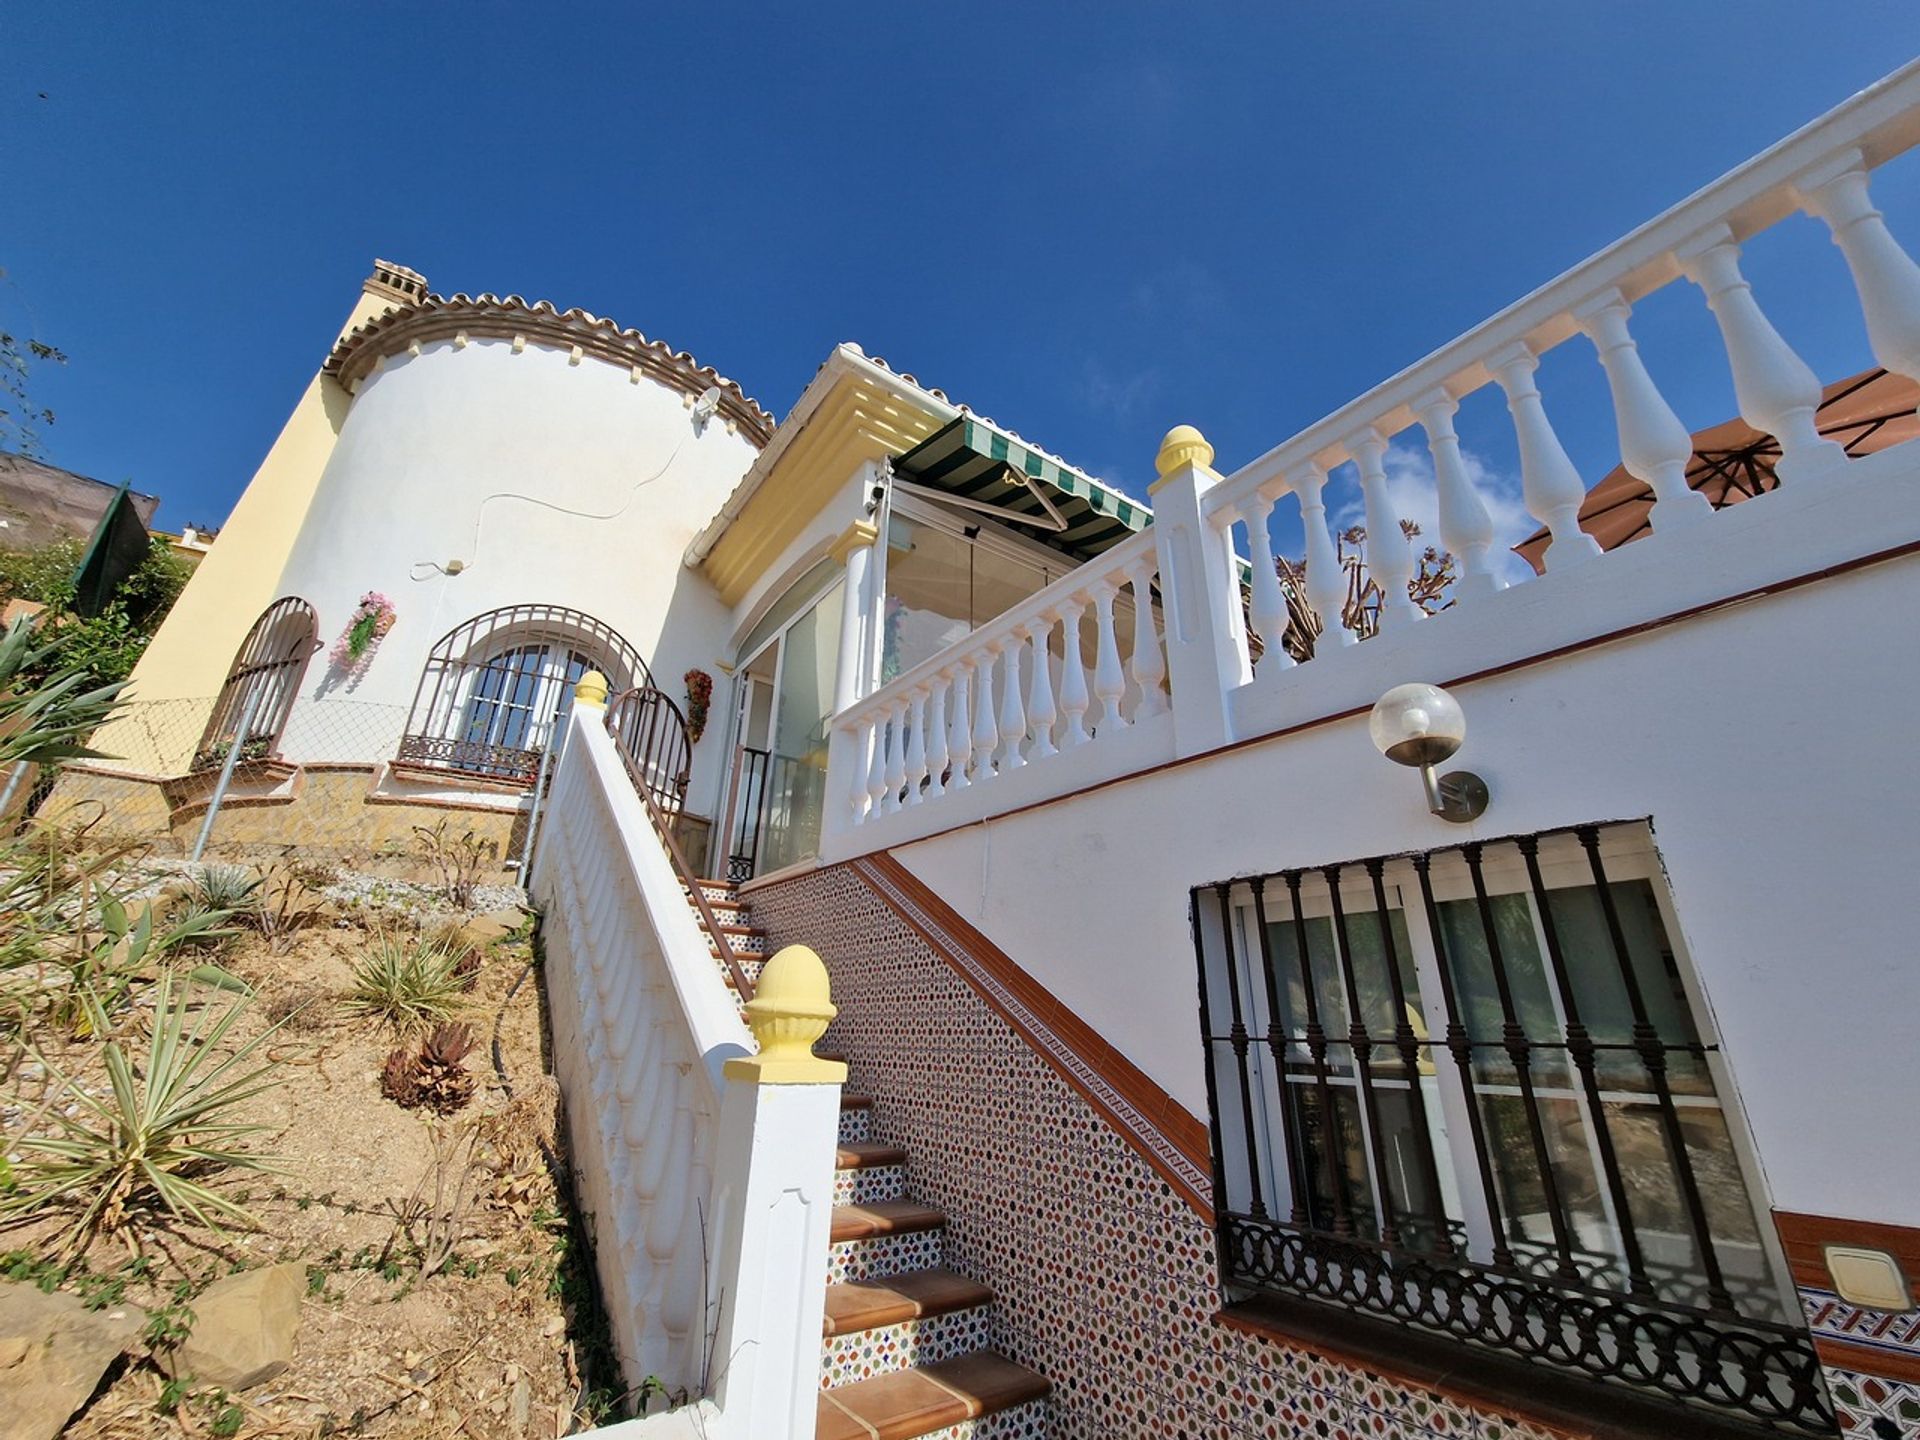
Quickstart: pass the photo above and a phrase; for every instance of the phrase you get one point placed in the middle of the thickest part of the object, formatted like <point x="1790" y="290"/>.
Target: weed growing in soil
<point x="408" y="981"/>
<point x="462" y="861"/>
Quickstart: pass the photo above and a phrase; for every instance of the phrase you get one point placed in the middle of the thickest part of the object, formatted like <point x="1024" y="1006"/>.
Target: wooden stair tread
<point x="884" y="1217"/>
<point x="853" y="1102"/>
<point x="905" y="1403"/>
<point x="915" y="1295"/>
<point x="867" y="1154"/>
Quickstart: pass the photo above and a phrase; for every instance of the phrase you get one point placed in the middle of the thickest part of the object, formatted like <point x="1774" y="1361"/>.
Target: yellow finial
<point x="1183" y="446"/>
<point x="791" y="1007"/>
<point x="591" y="690"/>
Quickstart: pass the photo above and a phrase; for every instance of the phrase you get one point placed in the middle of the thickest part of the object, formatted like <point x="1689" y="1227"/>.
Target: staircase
<point x="906" y="1351"/>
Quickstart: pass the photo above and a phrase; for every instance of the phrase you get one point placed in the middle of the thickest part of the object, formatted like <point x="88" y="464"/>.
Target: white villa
<point x="1197" y="1069"/>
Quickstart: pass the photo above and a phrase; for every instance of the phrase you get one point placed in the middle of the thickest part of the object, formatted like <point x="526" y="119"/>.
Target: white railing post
<point x="846" y="765"/>
<point x="1149" y="666"/>
<point x="1267" y="606"/>
<point x="1776" y="390"/>
<point x="1389" y="552"/>
<point x="1207" y="654"/>
<point x="773" y="1170"/>
<point x="896" y="772"/>
<point x="1013" y="708"/>
<point x="917" y="746"/>
<point x="1654" y="445"/>
<point x="1109" y="680"/>
<point x="1041" y="712"/>
<point x="1073" y="677"/>
<point x="937" y="736"/>
<point x="1884" y="275"/>
<point x="1466" y="529"/>
<point x="960" y="730"/>
<point x="1553" y="489"/>
<point x="1326" y="576"/>
<point x="986" y="732"/>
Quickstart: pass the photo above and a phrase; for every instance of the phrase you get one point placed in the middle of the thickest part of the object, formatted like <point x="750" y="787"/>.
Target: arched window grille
<point x="259" y="690"/>
<point x="497" y="689"/>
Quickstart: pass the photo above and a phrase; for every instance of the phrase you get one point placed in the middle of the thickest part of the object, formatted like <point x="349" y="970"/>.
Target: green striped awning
<point x="972" y="463"/>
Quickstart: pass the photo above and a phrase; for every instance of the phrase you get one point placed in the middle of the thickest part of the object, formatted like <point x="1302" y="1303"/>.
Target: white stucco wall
<point x="557" y="483"/>
<point x="1769" y="742"/>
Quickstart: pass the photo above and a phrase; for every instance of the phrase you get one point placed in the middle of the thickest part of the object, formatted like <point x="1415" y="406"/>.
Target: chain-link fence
<point x="327" y="784"/>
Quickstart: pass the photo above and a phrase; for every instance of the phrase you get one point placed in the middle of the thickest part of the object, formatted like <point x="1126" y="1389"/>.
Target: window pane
<point x="797" y="780"/>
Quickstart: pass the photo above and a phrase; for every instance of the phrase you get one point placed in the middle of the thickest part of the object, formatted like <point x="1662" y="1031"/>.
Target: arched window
<point x="259" y="689"/>
<point x="497" y="689"/>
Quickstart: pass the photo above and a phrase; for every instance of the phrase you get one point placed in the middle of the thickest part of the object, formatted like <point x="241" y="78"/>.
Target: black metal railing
<point x="749" y="819"/>
<point x="1552" y="1177"/>
<point x="260" y="688"/>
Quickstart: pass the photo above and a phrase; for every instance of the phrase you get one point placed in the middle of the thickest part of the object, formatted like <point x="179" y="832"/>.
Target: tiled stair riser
<point x="855" y="1126"/>
<point x="1022" y="1422"/>
<point x="866" y="1186"/>
<point x="887" y="1255"/>
<point x="866" y="1353"/>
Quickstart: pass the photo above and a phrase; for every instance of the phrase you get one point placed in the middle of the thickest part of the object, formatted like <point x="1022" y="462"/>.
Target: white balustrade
<point x="1074" y="699"/>
<point x="1013" y="707"/>
<point x="1039" y="724"/>
<point x="1552" y="487"/>
<point x="1389" y="553"/>
<point x="1884" y="275"/>
<point x="1654" y="446"/>
<point x="916" y="747"/>
<point x="1040" y="707"/>
<point x="896" y="776"/>
<point x="1267" y="606"/>
<point x="936" y="742"/>
<point x="1777" y="391"/>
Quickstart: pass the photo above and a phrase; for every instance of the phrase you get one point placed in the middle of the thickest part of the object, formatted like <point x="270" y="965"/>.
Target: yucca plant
<point x="232" y="888"/>
<point x="152" y="1144"/>
<point x="48" y="721"/>
<point x="408" y="980"/>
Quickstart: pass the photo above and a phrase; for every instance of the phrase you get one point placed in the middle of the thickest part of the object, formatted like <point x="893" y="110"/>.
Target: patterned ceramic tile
<point x="1103" y="1274"/>
<point x="1896" y="1333"/>
<point x="865" y="1187"/>
<point x="847" y="1358"/>
<point x="888" y="1255"/>
<point x="1873" y="1408"/>
<point x="1022" y="1422"/>
<point x="855" y="1126"/>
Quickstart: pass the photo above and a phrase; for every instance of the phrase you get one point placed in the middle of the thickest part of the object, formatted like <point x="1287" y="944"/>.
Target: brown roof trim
<point x="443" y="317"/>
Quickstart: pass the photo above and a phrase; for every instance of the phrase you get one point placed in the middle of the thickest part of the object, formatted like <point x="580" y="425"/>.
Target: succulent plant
<point x="433" y="1076"/>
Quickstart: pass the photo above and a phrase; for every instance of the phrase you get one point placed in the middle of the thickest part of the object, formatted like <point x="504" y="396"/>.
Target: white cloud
<point x="1119" y="396"/>
<point x="1411" y="495"/>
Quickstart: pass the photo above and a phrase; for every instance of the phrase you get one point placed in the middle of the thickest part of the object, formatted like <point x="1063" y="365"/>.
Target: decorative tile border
<point x="1874" y="1409"/>
<point x="1112" y="1084"/>
<point x="1855" y="1344"/>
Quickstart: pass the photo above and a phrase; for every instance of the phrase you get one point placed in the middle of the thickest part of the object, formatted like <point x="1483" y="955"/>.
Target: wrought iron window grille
<point x="496" y="691"/>
<point x="264" y="681"/>
<point x="1467" y="1090"/>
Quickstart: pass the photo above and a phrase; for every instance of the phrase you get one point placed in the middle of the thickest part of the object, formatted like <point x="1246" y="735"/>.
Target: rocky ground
<point x="410" y="1276"/>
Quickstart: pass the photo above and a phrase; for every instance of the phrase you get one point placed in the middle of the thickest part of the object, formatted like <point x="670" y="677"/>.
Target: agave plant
<point x="409" y="980"/>
<point x="232" y="888"/>
<point x="46" y="722"/>
<point x="153" y="1143"/>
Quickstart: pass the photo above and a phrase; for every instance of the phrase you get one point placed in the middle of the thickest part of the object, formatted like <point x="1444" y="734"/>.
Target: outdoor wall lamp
<point x="1421" y="725"/>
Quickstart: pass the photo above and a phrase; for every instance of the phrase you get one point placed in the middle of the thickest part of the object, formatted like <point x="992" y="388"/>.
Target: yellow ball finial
<point x="1183" y="446"/>
<point x="591" y="690"/>
<point x="791" y="1007"/>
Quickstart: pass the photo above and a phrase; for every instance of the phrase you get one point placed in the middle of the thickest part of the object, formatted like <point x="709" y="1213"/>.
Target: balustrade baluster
<point x="1109" y="680"/>
<point x="1149" y="665"/>
<point x="896" y="757"/>
<point x="1267" y="607"/>
<point x="937" y="736"/>
<point x="960" y="730"/>
<point x="916" y="747"/>
<point x="876" y="769"/>
<point x="1073" y="676"/>
<point x="1013" y="709"/>
<point x="1326" y="576"/>
<point x="1654" y="445"/>
<point x="1389" y="551"/>
<point x="1776" y="390"/>
<point x="1884" y="275"/>
<point x="1466" y="529"/>
<point x="986" y="733"/>
<point x="1552" y="487"/>
<point x="1040" y="707"/>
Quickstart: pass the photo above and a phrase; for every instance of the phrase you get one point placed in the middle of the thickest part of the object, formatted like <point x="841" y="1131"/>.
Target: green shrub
<point x="408" y="980"/>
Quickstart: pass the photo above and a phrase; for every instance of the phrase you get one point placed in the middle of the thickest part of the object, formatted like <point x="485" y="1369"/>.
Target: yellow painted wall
<point x="194" y="648"/>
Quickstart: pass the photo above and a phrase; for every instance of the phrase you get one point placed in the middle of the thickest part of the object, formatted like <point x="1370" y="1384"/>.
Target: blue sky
<point x="1088" y="221"/>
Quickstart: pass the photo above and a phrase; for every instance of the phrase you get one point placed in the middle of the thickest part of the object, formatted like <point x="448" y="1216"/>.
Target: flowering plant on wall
<point x="372" y="618"/>
<point x="699" y="698"/>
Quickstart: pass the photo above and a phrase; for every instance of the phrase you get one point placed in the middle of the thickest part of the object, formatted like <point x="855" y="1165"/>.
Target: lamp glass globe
<point x="1417" y="724"/>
